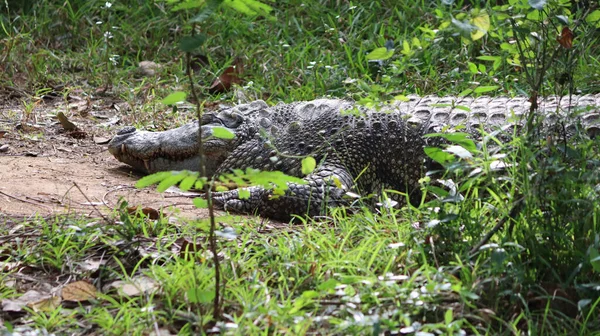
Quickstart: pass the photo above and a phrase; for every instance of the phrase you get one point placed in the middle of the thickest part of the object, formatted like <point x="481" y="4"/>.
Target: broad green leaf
<point x="563" y="19"/>
<point x="327" y="285"/>
<point x="200" y="203"/>
<point x="465" y="92"/>
<point x="308" y="165"/>
<point x="222" y="133"/>
<point x="401" y="98"/>
<point x="482" y="22"/>
<point x="459" y="151"/>
<point x="472" y="68"/>
<point x="438" y="155"/>
<point x="243" y="193"/>
<point x="380" y="54"/>
<point x="406" y="48"/>
<point x="250" y="7"/>
<point x="188" y="182"/>
<point x="595" y="259"/>
<point x="207" y="11"/>
<point x="221" y="188"/>
<point x="171" y="181"/>
<point x="497" y="64"/>
<point x="482" y="89"/>
<point x="594" y="18"/>
<point x="191" y="43"/>
<point x="488" y="58"/>
<point x="448" y="316"/>
<point x="200" y="183"/>
<point x="152" y="179"/>
<point x="538" y="4"/>
<point x="174" y="98"/>
<point x="197" y="295"/>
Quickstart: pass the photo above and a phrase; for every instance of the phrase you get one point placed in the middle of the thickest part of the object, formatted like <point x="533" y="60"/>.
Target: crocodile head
<point x="178" y="149"/>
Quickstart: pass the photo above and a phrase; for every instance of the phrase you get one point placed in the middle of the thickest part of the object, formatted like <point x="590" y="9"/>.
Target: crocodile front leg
<point x="314" y="198"/>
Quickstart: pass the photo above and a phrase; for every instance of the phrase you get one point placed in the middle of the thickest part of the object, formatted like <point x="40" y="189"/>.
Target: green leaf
<point x="472" y="68"/>
<point x="563" y="19"/>
<point x="595" y="259"/>
<point x="188" y="182"/>
<point x="448" y="317"/>
<point x="328" y="285"/>
<point x="308" y="165"/>
<point x="458" y="138"/>
<point x="171" y="181"/>
<point x="200" y="203"/>
<point x="249" y="7"/>
<point x="152" y="179"/>
<point x="459" y="151"/>
<point x="243" y="193"/>
<point x="438" y="155"/>
<point x="482" y="22"/>
<point x="191" y="43"/>
<point x="465" y="92"/>
<point x="489" y="58"/>
<point x="197" y="295"/>
<point x="207" y="11"/>
<point x="594" y="18"/>
<point x="538" y="4"/>
<point x="380" y="54"/>
<point x="482" y="89"/>
<point x="174" y="97"/>
<point x="222" y="133"/>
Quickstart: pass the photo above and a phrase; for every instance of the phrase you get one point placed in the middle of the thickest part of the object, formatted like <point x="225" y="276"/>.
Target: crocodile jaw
<point x="176" y="149"/>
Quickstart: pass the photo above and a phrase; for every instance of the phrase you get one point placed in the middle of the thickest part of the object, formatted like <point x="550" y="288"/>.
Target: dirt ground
<point x="46" y="170"/>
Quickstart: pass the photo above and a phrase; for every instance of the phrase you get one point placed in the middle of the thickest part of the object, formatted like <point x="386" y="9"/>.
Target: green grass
<point x="407" y="270"/>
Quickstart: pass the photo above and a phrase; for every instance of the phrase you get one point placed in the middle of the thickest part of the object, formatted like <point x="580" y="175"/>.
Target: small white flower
<point x="108" y="35"/>
<point x="98" y="22"/>
<point x="107" y="4"/>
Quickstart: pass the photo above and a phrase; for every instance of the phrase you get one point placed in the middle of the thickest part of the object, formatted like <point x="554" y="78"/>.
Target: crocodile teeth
<point x="147" y="165"/>
<point x="123" y="148"/>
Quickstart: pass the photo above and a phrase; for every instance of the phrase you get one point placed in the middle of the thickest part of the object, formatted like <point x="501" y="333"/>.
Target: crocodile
<point x="358" y="149"/>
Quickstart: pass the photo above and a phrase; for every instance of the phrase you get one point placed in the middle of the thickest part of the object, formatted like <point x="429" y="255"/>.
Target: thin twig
<point x="91" y="203"/>
<point x="207" y="188"/>
<point x="26" y="201"/>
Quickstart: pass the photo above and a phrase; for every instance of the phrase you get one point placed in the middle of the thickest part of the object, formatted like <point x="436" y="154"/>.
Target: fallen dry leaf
<point x="188" y="248"/>
<point x="147" y="212"/>
<point x="79" y="291"/>
<point x="6" y="266"/>
<point x="136" y="287"/>
<point x="2" y="133"/>
<point x="32" y="299"/>
<point x="229" y="77"/>
<point x="92" y="265"/>
<point x="566" y="38"/>
<point x="45" y="305"/>
<point x="82" y="107"/>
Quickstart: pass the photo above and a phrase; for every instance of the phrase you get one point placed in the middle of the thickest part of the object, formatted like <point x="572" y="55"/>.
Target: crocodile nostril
<point x="126" y="130"/>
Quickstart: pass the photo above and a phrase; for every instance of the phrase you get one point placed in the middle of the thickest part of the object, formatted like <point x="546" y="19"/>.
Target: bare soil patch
<point x="45" y="170"/>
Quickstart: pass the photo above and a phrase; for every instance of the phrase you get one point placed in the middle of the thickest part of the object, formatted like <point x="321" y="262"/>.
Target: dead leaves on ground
<point x="230" y="76"/>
